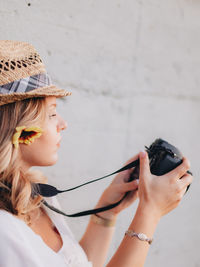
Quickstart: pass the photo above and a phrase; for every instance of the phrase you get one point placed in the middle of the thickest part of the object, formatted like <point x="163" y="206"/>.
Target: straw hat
<point x="22" y="74"/>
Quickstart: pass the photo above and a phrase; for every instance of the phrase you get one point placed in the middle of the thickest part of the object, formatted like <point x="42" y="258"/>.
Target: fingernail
<point x="143" y="154"/>
<point x="137" y="181"/>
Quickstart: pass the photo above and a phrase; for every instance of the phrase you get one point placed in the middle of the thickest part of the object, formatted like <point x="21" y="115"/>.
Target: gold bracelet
<point x="102" y="221"/>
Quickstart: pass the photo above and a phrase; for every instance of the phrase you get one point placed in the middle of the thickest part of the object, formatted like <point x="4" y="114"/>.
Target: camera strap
<point x="47" y="190"/>
<point x="164" y="158"/>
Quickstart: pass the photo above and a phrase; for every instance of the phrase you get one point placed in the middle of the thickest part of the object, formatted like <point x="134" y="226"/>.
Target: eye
<point x="53" y="115"/>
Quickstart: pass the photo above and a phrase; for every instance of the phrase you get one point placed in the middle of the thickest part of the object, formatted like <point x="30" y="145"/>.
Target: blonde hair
<point x="16" y="186"/>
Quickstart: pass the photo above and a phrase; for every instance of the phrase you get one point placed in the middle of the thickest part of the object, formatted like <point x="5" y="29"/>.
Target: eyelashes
<point x="53" y="115"/>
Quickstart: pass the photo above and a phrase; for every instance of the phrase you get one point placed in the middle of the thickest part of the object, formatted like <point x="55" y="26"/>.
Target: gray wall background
<point x="133" y="68"/>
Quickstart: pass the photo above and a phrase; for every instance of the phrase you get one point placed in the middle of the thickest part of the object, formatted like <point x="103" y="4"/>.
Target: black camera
<point x="163" y="157"/>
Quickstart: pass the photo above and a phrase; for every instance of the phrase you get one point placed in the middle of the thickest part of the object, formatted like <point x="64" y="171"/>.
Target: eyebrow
<point x="53" y="105"/>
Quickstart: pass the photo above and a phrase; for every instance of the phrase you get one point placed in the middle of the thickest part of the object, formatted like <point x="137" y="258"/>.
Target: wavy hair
<point x="15" y="185"/>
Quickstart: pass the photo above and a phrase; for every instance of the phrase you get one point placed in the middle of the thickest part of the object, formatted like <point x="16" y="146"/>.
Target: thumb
<point x="130" y="186"/>
<point x="144" y="166"/>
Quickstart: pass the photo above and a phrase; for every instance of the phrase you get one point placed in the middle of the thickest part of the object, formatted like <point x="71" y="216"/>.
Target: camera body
<point x="163" y="158"/>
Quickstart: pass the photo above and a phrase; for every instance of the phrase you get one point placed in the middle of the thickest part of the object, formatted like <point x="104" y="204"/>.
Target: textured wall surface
<point x="134" y="70"/>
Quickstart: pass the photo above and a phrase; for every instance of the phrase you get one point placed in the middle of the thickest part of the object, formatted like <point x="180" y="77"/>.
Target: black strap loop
<point x="49" y="191"/>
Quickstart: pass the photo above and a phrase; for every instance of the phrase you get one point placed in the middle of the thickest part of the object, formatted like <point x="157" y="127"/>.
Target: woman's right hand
<point x="161" y="194"/>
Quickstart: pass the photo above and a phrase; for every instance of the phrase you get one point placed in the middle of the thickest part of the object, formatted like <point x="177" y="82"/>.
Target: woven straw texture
<point x="19" y="60"/>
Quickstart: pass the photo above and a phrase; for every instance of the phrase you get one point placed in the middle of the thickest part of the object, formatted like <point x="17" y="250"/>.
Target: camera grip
<point x="160" y="167"/>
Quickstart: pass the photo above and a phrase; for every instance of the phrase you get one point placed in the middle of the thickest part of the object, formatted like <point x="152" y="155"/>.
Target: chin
<point x="49" y="162"/>
<point x="53" y="162"/>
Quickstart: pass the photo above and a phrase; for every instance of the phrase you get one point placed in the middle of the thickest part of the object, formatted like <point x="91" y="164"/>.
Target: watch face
<point x="142" y="236"/>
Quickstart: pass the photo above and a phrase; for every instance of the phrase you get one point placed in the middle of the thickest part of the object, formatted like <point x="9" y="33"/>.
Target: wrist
<point x="148" y="211"/>
<point x="108" y="214"/>
<point x="145" y="221"/>
<point x="97" y="219"/>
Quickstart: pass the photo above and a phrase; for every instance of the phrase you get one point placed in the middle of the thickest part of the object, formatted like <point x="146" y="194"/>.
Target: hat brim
<point x="50" y="90"/>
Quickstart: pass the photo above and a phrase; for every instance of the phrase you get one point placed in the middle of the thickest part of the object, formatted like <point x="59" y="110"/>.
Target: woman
<point x="30" y="136"/>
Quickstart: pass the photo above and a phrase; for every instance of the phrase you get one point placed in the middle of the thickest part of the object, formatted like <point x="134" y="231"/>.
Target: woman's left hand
<point x="116" y="190"/>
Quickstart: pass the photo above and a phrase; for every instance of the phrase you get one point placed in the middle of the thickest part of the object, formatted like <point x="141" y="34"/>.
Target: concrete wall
<point x="133" y="68"/>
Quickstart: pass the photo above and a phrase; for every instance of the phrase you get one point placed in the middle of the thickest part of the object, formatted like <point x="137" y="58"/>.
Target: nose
<point x="62" y="125"/>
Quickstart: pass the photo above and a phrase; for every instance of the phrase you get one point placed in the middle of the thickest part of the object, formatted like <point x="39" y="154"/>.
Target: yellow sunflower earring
<point x="26" y="135"/>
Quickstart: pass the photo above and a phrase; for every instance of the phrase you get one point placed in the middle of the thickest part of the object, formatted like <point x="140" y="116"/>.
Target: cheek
<point x="46" y="144"/>
<point x="42" y="152"/>
<point x="49" y="138"/>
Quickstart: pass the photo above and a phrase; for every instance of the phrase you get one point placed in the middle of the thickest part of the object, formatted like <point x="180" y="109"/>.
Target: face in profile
<point x="43" y="151"/>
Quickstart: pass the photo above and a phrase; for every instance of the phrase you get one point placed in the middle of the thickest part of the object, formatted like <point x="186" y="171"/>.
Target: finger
<point x="184" y="190"/>
<point x="186" y="180"/>
<point x="129" y="186"/>
<point x="182" y="184"/>
<point x="144" y="166"/>
<point x="132" y="195"/>
<point x="122" y="177"/>
<point x="179" y="171"/>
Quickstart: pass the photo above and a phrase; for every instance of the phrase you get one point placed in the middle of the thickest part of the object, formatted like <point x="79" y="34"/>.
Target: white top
<point x="21" y="247"/>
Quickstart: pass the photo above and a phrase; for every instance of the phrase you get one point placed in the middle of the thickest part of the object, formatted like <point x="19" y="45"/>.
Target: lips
<point x="58" y="144"/>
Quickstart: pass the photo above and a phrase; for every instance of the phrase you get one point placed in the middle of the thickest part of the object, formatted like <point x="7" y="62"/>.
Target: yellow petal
<point x="37" y="135"/>
<point x="15" y="137"/>
<point x="34" y="129"/>
<point x="16" y="144"/>
<point x="20" y="128"/>
<point x="17" y="134"/>
<point x="29" y="139"/>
